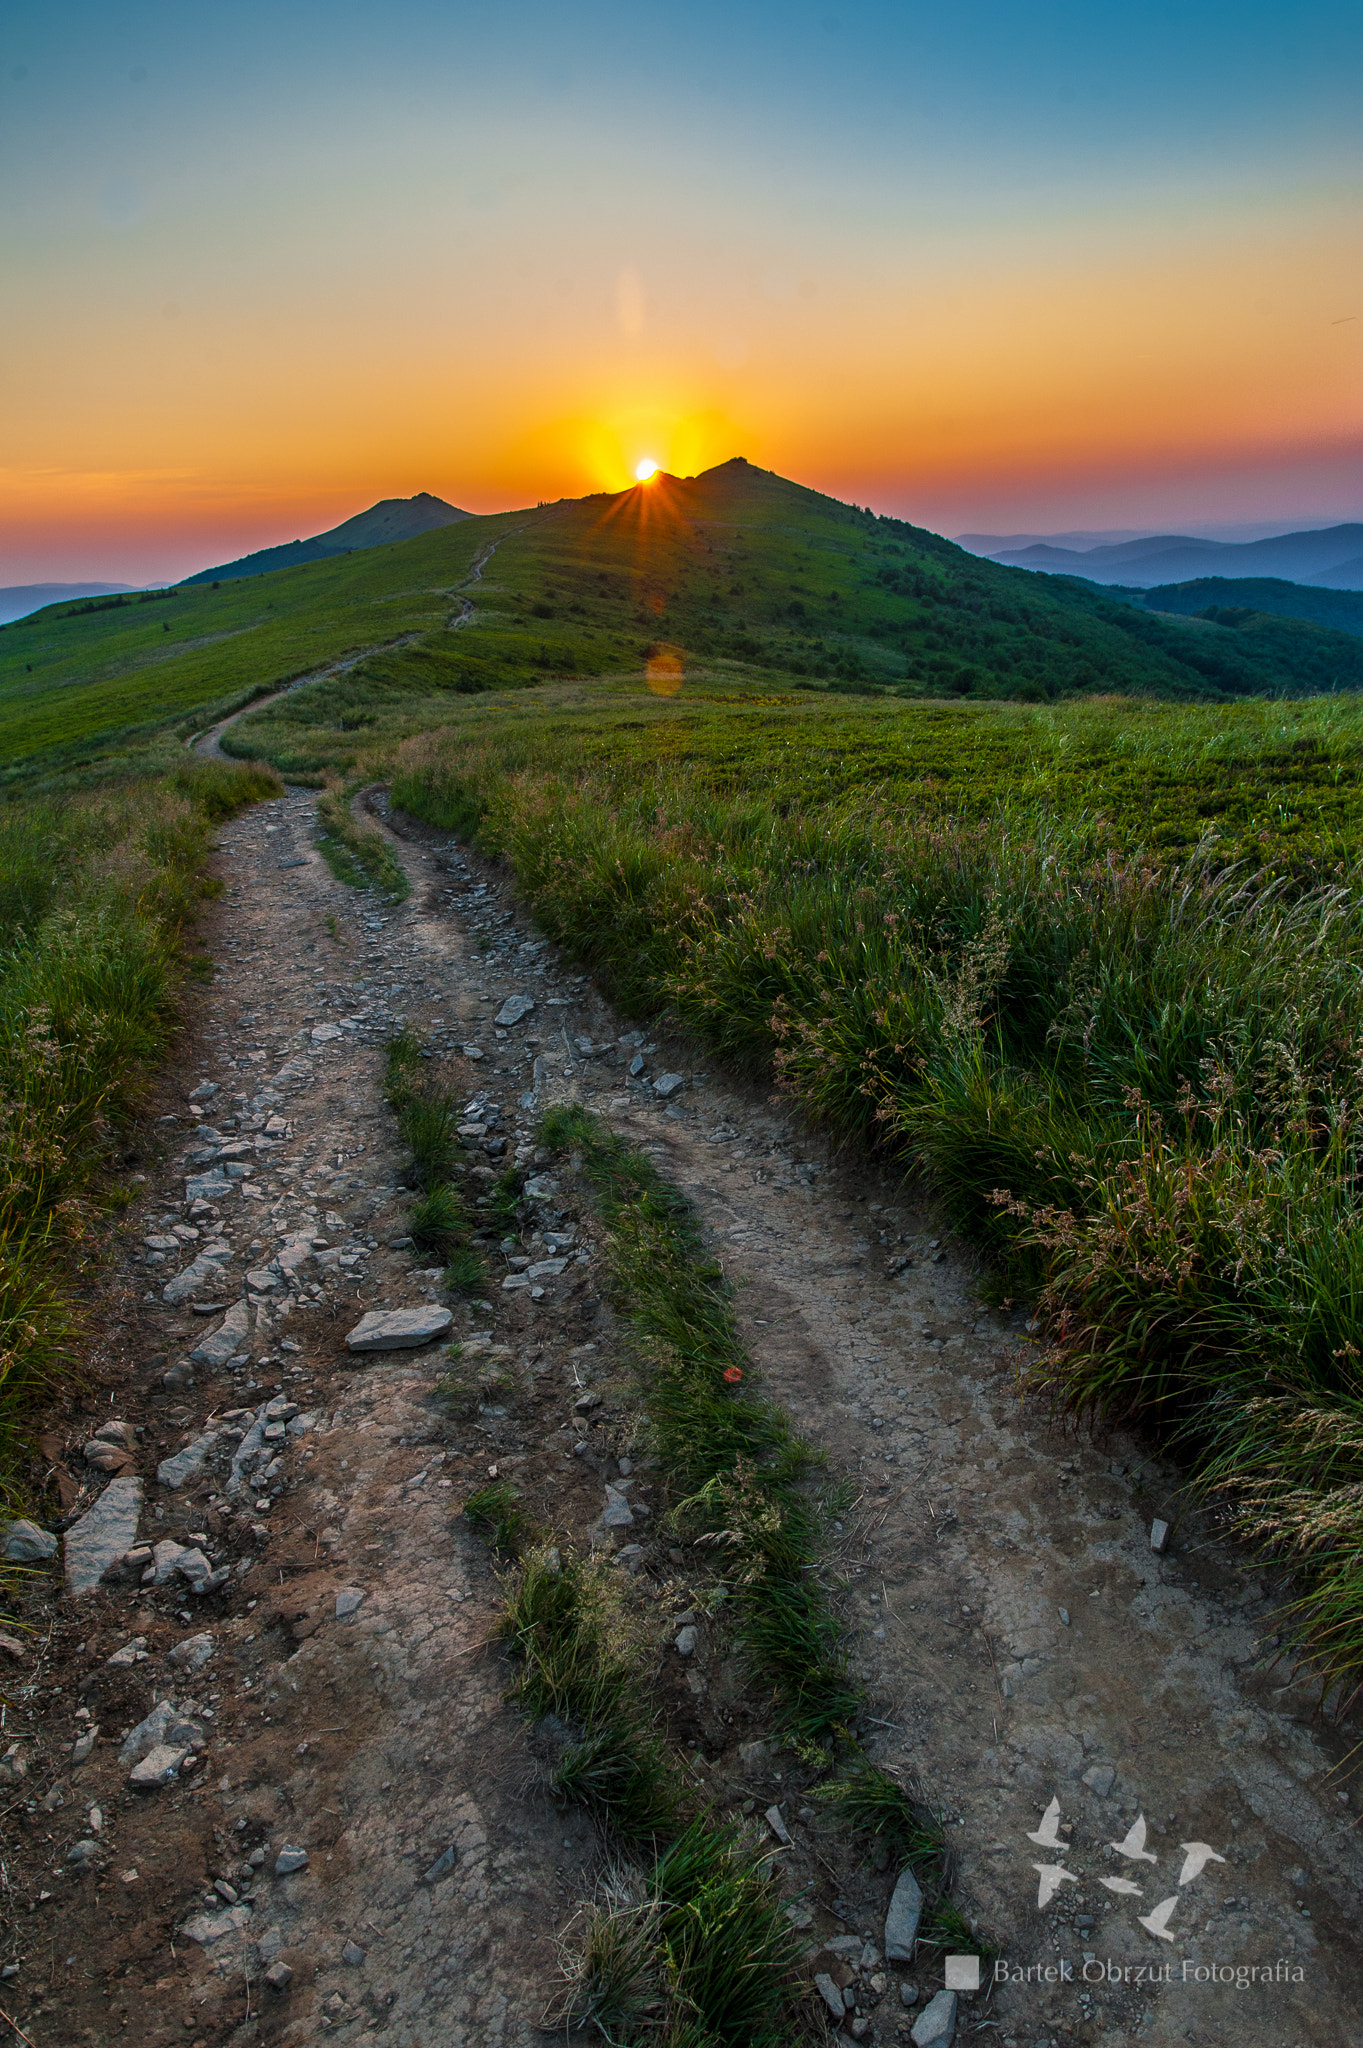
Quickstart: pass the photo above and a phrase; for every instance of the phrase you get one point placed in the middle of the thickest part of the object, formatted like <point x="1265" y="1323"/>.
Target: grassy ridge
<point x="97" y="902"/>
<point x="1138" y="1084"/>
<point x="74" y="680"/>
<point x="736" y="568"/>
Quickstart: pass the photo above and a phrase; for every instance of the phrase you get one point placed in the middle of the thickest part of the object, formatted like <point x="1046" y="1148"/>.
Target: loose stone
<point x="158" y="1767"/>
<point x="398" y="1329"/>
<point x="26" y="1543"/>
<point x="937" y="2025"/>
<point x="901" y="1922"/>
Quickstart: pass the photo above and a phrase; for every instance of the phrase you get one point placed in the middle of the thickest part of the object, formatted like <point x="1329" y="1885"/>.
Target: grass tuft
<point x="465" y="1270"/>
<point x="496" y="1513"/>
<point x="439" y="1222"/>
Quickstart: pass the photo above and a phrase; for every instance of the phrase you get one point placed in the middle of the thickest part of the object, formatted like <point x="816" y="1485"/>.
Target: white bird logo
<point x="1122" y="1885"/>
<point x="1158" y="1921"/>
<point x="1052" y="1876"/>
<point x="1047" y="1835"/>
<point x="1196" y="1857"/>
<point x="1133" y="1848"/>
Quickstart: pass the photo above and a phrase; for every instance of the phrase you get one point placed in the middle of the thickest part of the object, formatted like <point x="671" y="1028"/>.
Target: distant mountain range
<point x="19" y="599"/>
<point x="1330" y="557"/>
<point x="391" y="519"/>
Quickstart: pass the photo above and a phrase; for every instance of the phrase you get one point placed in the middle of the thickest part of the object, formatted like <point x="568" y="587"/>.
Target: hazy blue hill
<point x="392" y="519"/>
<point x="1344" y="576"/>
<point x="1329" y="555"/>
<point x="1216" y="597"/>
<point x="19" y="599"/>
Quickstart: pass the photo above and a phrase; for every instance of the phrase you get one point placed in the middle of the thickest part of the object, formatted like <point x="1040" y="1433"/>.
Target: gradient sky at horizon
<point x="988" y="268"/>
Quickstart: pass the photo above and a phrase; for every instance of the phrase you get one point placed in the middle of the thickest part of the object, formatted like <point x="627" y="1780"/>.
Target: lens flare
<point x="645" y="469"/>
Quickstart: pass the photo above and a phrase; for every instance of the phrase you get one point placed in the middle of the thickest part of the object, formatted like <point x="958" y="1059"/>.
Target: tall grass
<point x="98" y="897"/>
<point x="1138" y="1082"/>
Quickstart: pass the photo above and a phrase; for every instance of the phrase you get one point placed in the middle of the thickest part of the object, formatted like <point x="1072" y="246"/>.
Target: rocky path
<point x="263" y="1784"/>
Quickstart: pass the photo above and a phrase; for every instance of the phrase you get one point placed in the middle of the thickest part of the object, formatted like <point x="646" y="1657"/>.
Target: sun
<point x="645" y="469"/>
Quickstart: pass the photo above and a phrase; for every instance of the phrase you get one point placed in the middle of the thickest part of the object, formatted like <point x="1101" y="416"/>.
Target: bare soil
<point x="1018" y="1638"/>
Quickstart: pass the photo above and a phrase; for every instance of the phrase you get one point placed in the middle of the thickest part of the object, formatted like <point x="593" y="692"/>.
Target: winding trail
<point x="208" y="744"/>
<point x="1019" y="1641"/>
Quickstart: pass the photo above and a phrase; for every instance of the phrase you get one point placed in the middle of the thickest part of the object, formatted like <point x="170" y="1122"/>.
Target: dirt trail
<point x="1019" y="1640"/>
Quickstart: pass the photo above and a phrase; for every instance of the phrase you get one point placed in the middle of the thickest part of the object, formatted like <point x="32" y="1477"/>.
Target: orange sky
<point x="224" y="334"/>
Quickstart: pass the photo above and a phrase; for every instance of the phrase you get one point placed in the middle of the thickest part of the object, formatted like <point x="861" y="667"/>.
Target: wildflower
<point x="733" y="1374"/>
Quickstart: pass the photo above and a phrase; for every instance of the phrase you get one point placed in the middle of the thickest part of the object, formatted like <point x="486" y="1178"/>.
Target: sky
<point x="987" y="267"/>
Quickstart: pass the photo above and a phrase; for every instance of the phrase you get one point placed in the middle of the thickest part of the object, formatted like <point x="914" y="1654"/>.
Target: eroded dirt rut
<point x="1020" y="1642"/>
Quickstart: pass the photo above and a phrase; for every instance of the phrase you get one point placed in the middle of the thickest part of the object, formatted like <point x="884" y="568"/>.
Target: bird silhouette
<point x="1122" y="1885"/>
<point x="1158" y="1921"/>
<point x="1052" y="1876"/>
<point x="1196" y="1857"/>
<point x="1133" y="1848"/>
<point x="1047" y="1835"/>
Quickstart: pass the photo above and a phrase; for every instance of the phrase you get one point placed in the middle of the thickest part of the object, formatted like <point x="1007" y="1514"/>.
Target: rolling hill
<point x="392" y="519"/>
<point x="734" y="572"/>
<point x="1215" y="597"/>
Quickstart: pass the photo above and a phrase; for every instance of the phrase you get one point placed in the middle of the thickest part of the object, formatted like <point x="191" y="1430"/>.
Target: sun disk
<point x="645" y="469"/>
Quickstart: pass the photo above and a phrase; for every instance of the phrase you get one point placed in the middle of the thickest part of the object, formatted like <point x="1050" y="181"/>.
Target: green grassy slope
<point x="736" y="566"/>
<point x="74" y="680"/>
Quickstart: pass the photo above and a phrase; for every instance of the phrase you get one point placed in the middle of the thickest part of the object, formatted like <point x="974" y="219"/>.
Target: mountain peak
<point x="392" y="519"/>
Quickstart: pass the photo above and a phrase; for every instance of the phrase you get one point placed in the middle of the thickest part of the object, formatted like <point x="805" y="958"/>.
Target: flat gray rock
<point x="398" y="1329"/>
<point x="232" y="1335"/>
<point x="324" y="1034"/>
<point x="668" y="1084"/>
<point x="103" y="1533"/>
<point x="26" y="1543"/>
<point x="546" y="1269"/>
<point x="177" y="1471"/>
<point x="205" y="1271"/>
<point x="1100" y="1779"/>
<point x="207" y="1187"/>
<point x="901" y="1922"/>
<point x="514" y="1011"/>
<point x="936" y="2025"/>
<point x="348" y="1601"/>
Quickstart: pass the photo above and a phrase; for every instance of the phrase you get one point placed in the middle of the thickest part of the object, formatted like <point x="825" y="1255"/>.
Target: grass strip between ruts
<point x="695" y="1951"/>
<point x="358" y="855"/>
